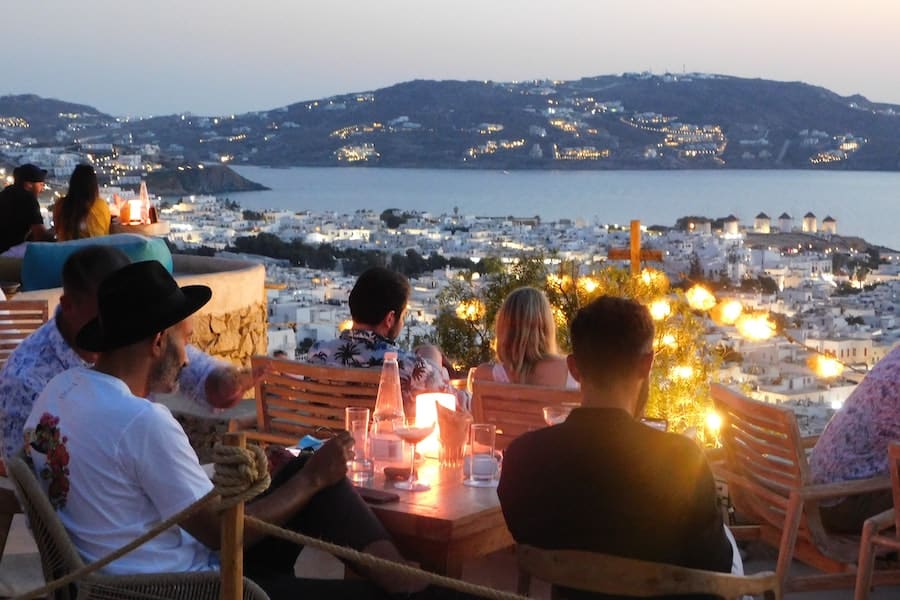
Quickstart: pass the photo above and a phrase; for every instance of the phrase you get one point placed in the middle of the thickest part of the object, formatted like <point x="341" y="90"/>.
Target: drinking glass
<point x="414" y="431"/>
<point x="470" y="380"/>
<point x="556" y="414"/>
<point x="361" y="468"/>
<point x="481" y="459"/>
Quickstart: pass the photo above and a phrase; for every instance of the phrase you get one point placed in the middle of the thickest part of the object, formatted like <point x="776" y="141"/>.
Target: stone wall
<point x="233" y="325"/>
<point x="234" y="336"/>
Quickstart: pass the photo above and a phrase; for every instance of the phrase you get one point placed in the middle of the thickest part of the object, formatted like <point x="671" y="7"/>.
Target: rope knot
<point x="241" y="473"/>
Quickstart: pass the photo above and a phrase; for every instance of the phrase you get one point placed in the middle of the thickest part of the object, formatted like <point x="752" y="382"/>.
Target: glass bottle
<point x="387" y="448"/>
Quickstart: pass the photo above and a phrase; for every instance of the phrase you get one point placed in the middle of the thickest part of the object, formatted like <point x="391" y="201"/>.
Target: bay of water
<point x="865" y="204"/>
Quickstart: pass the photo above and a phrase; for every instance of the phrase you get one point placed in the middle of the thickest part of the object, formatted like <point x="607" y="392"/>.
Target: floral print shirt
<point x="362" y="348"/>
<point x="855" y="441"/>
<point x="45" y="354"/>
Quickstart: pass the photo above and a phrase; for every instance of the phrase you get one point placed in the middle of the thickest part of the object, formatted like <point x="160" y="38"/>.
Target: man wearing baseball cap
<point x="20" y="213"/>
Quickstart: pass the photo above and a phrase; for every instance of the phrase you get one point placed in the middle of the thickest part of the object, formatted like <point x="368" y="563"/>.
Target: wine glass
<point x="412" y="433"/>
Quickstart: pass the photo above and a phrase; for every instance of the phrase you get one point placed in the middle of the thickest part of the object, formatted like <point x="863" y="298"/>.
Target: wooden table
<point x="446" y="525"/>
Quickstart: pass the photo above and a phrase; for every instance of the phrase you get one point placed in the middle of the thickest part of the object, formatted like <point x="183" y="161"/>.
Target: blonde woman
<point x="525" y="342"/>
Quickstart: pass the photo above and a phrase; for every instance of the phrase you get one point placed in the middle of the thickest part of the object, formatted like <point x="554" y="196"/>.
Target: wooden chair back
<point x="763" y="448"/>
<point x="894" y="467"/>
<point x="515" y="408"/>
<point x="18" y="319"/>
<point x="295" y="398"/>
<point x="769" y="483"/>
<point x="881" y="532"/>
<point x="615" y="575"/>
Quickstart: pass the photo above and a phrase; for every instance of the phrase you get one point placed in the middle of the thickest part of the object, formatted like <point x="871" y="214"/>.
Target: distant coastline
<point x="864" y="204"/>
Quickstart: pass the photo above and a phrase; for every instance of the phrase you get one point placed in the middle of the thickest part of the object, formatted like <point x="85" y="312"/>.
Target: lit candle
<point x="426" y="413"/>
<point x="134" y="211"/>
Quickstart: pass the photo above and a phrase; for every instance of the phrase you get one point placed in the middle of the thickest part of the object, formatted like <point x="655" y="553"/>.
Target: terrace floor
<point x="20" y="569"/>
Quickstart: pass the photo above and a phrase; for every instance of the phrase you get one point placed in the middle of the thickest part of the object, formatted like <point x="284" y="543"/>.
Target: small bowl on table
<point x="10" y="288"/>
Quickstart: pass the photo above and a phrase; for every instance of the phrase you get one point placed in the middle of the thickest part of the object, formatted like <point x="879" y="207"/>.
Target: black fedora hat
<point x="136" y="302"/>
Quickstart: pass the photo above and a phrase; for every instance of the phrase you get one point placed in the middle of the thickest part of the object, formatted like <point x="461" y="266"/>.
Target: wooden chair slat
<point x="881" y="531"/>
<point x="768" y="477"/>
<point x="765" y="450"/>
<point x="18" y="320"/>
<point x="514" y="408"/>
<point x="785" y="474"/>
<point x="324" y="412"/>
<point x="288" y="398"/>
<point x="615" y="575"/>
<point x="295" y="398"/>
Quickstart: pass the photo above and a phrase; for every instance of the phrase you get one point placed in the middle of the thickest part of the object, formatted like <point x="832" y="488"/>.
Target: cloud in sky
<point x="209" y="57"/>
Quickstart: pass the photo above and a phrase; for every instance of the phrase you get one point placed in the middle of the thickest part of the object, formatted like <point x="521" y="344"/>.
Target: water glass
<point x="361" y="468"/>
<point x="556" y="413"/>
<point x="482" y="462"/>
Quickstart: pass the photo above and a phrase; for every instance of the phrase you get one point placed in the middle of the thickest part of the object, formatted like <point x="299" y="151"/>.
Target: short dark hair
<point x="377" y="292"/>
<point x="87" y="267"/>
<point x="609" y="336"/>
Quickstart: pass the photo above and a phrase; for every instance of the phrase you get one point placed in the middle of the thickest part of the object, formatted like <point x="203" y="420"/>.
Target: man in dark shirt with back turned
<point x="20" y="213"/>
<point x="604" y="482"/>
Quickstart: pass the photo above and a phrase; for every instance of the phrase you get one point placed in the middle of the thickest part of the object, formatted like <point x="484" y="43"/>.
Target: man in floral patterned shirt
<point x="378" y="306"/>
<point x="854" y="445"/>
<point x="51" y="349"/>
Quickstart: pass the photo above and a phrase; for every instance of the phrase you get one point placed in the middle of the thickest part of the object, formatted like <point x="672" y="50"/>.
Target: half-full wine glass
<point x="412" y="433"/>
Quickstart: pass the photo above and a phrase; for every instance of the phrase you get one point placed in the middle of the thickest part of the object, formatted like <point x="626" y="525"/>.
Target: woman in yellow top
<point x="81" y="213"/>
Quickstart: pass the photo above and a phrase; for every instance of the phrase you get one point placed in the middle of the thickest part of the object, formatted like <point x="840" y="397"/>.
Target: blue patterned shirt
<point x="362" y="348"/>
<point x="855" y="442"/>
<point x="45" y="354"/>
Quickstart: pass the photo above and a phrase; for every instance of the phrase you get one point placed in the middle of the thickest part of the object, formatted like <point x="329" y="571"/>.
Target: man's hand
<point x="329" y="464"/>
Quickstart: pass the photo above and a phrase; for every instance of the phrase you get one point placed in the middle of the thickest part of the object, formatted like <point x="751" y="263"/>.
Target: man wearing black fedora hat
<point x="130" y="465"/>
<point x="20" y="213"/>
<point x="207" y="382"/>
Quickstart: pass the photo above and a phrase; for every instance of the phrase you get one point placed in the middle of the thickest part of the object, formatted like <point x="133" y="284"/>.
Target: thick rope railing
<point x="369" y="560"/>
<point x="240" y="475"/>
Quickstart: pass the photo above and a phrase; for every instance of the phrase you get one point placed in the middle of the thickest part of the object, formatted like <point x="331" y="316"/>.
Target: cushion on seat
<point x="43" y="262"/>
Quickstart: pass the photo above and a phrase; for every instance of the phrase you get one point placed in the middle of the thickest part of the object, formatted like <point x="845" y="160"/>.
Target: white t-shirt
<point x="130" y="467"/>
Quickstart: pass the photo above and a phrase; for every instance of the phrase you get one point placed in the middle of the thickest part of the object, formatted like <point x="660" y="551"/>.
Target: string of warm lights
<point x="684" y="362"/>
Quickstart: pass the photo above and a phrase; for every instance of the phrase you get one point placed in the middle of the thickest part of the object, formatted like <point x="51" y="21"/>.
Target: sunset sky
<point x="137" y="57"/>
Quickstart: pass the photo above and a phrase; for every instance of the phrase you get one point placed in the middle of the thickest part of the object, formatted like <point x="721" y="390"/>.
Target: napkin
<point x="308" y="442"/>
